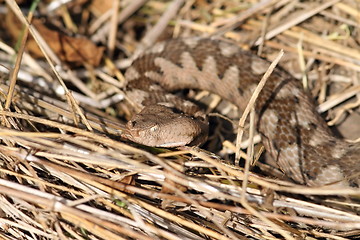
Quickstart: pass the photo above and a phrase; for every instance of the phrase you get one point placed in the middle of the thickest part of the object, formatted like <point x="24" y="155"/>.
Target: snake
<point x="293" y="133"/>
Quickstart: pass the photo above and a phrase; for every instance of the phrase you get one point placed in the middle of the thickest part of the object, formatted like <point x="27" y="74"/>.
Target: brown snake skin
<point x="294" y="134"/>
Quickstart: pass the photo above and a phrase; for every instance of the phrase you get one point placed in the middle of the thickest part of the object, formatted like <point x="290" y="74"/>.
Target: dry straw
<point x="67" y="174"/>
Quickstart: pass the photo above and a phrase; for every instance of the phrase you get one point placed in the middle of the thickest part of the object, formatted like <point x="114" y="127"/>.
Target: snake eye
<point x="154" y="128"/>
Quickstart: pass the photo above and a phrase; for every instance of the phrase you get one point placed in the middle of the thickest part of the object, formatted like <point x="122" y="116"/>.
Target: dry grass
<point x="66" y="173"/>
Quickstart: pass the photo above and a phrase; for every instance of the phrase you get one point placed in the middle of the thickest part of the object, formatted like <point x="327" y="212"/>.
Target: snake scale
<point x="293" y="133"/>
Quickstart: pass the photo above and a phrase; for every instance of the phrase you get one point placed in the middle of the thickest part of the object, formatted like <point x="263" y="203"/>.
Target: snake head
<point x="160" y="126"/>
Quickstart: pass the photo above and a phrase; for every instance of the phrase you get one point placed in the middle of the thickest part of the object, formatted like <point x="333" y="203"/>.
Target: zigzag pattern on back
<point x="294" y="134"/>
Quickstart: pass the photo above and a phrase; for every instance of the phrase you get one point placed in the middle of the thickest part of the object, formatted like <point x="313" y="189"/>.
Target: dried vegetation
<point x="67" y="174"/>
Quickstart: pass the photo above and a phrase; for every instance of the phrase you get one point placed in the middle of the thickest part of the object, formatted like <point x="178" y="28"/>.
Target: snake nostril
<point x="131" y="123"/>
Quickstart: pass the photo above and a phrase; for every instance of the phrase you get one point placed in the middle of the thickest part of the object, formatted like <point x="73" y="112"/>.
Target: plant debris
<point x="65" y="171"/>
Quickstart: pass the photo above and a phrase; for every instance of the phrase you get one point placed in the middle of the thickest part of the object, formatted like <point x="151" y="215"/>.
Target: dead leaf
<point x="73" y="50"/>
<point x="99" y="7"/>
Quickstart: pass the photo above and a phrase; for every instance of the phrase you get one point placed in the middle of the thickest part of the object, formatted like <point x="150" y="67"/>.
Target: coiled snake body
<point x="294" y="134"/>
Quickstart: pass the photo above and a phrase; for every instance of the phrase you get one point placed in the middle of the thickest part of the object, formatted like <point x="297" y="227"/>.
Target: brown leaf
<point x="99" y="7"/>
<point x="73" y="50"/>
<point x="70" y="49"/>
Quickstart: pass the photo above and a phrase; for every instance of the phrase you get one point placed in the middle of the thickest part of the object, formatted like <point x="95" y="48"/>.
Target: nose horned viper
<point x="294" y="134"/>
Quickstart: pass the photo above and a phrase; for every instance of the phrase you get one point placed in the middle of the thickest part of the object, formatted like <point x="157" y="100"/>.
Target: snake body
<point x="293" y="133"/>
